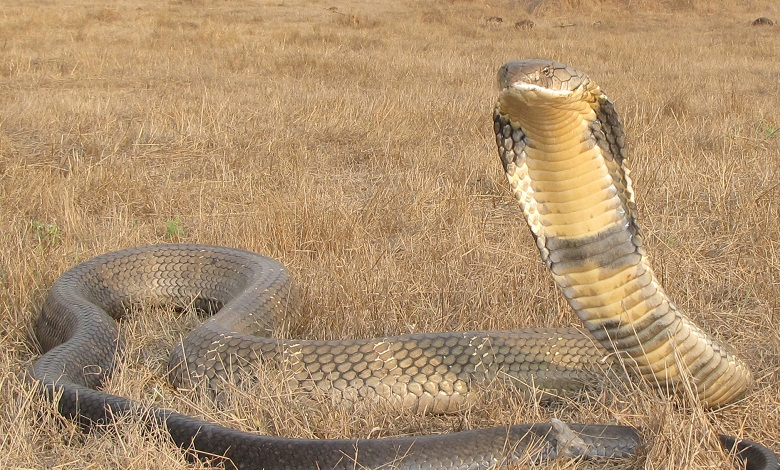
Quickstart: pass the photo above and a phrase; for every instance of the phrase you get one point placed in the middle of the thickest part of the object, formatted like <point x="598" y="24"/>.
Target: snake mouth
<point x="532" y="93"/>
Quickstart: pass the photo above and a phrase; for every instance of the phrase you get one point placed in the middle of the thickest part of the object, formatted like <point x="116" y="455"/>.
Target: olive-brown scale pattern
<point x="433" y="372"/>
<point x="247" y="292"/>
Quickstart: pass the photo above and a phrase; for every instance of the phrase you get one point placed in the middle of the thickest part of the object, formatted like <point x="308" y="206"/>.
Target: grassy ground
<point x="354" y="143"/>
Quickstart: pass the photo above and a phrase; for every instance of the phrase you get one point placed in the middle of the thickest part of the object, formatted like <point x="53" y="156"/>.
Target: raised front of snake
<point x="563" y="150"/>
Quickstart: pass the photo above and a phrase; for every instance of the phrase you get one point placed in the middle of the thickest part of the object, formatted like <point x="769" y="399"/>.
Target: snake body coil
<point x="562" y="147"/>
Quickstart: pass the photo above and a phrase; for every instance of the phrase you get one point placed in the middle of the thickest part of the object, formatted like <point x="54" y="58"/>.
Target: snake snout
<point x="528" y="84"/>
<point x="544" y="74"/>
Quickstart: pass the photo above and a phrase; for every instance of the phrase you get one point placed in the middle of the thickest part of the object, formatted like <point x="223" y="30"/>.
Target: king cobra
<point x="563" y="150"/>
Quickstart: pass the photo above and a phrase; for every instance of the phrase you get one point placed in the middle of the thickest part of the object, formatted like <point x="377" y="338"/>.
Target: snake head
<point x="542" y="82"/>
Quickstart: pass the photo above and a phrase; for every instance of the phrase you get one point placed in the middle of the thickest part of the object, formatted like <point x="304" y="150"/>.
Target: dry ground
<point x="354" y="144"/>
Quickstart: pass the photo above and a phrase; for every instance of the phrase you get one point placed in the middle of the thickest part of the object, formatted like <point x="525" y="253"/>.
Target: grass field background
<point x="353" y="141"/>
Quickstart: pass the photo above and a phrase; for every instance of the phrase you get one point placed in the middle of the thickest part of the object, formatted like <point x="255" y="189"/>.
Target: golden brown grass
<point x="354" y="144"/>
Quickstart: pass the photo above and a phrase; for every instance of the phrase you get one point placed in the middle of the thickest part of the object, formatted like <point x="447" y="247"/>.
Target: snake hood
<point x="563" y="149"/>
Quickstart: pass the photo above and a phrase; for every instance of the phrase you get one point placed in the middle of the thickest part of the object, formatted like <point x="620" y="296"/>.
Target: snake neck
<point x="565" y="162"/>
<point x="575" y="195"/>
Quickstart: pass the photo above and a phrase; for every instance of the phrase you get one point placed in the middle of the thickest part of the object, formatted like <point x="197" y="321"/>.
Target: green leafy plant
<point x="173" y="229"/>
<point x="769" y="130"/>
<point x="46" y="235"/>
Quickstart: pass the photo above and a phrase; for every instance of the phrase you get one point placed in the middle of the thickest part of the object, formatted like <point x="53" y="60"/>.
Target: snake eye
<point x="546" y="71"/>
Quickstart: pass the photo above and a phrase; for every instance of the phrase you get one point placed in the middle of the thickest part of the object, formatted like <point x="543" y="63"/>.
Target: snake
<point x="563" y="150"/>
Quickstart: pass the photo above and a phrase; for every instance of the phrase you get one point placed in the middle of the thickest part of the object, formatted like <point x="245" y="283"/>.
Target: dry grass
<point x="355" y="145"/>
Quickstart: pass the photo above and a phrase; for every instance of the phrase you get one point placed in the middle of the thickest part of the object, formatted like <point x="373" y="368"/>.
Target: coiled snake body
<point x="562" y="147"/>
